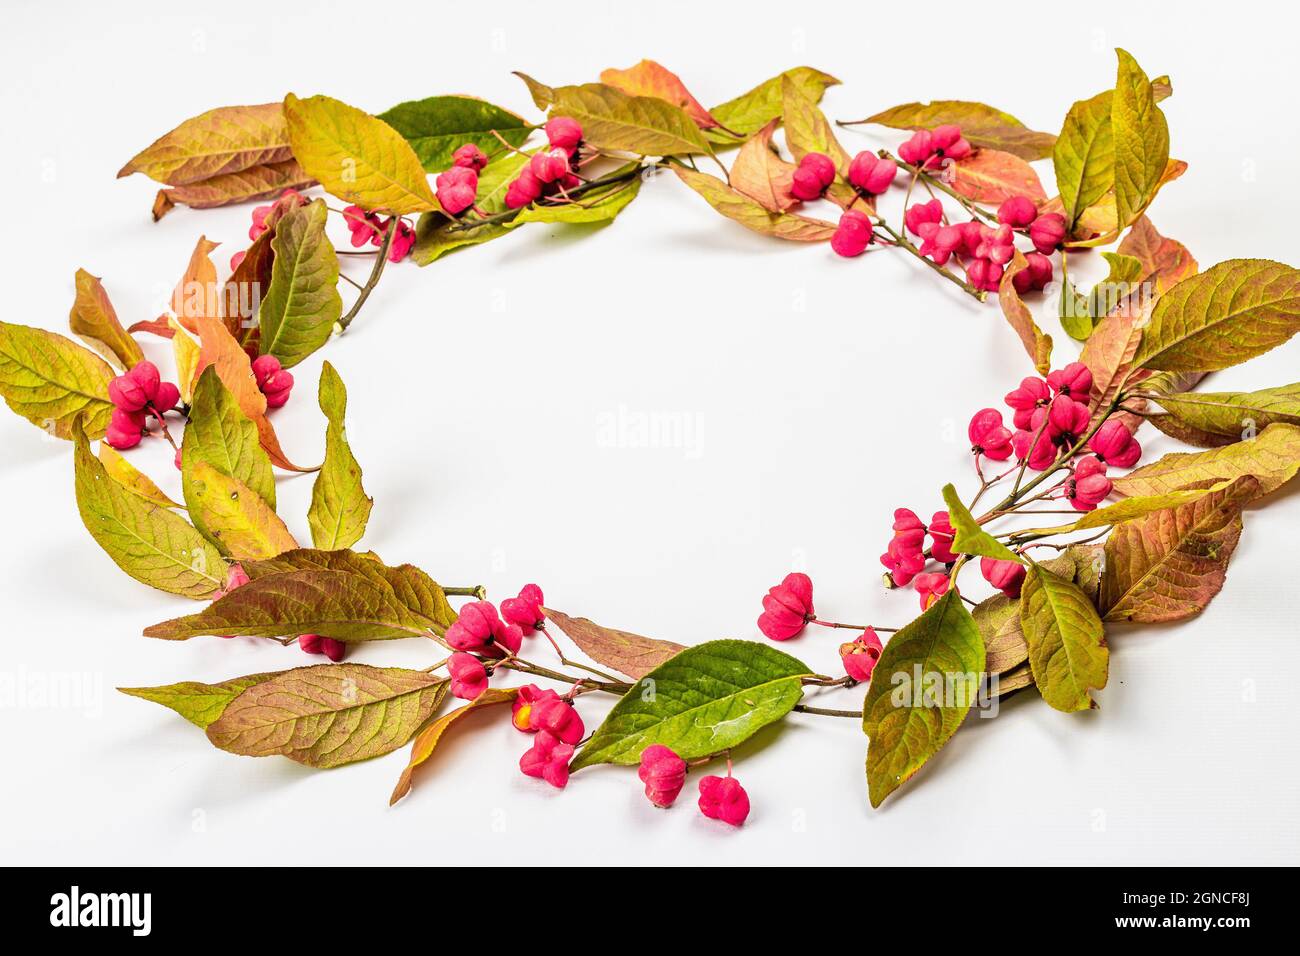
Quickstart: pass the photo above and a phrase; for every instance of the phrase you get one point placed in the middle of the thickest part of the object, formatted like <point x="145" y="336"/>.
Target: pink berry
<point x="549" y="166"/>
<point x="1040" y="452"/>
<point x="918" y="149"/>
<point x="948" y="142"/>
<point x="402" y="243"/>
<point x="1047" y="232"/>
<point x="125" y="429"/>
<point x="919" y="213"/>
<point x="557" y="716"/>
<point x="237" y="259"/>
<point x="1088" y="486"/>
<point x="815" y="173"/>
<point x="259" y="226"/>
<point x="871" y="174"/>
<point x="860" y="656"/>
<point x="167" y="398"/>
<point x="787" y="607"/>
<point x="548" y="759"/>
<point x="274" y="381"/>
<point x="931" y="586"/>
<point x="941" y="534"/>
<point x="1074" y="381"/>
<point x="457" y="189"/>
<point x="363" y="225"/>
<point x="984" y="274"/>
<point x="1006" y="576"/>
<point x="521" y="710"/>
<point x="523" y="189"/>
<point x="903" y="557"/>
<point x="663" y="773"/>
<point x="1017" y="212"/>
<point x="852" y="235"/>
<point x="988" y="436"/>
<point x="1115" y="445"/>
<point x="525" y="610"/>
<point x="1036" y="274"/>
<point x="723" y="798"/>
<point x="335" y="650"/>
<point x="1031" y="393"/>
<point x="564" y="133"/>
<point x="469" y="156"/>
<point x="469" y="678"/>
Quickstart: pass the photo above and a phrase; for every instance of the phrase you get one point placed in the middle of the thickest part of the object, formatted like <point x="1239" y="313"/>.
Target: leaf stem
<point x="952" y="277"/>
<point x="375" y="273"/>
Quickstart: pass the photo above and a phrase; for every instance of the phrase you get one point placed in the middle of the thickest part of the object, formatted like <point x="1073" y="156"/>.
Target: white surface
<point x="820" y="395"/>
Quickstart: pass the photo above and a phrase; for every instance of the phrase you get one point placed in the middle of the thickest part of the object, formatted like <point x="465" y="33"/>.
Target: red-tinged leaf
<point x="992" y="176"/>
<point x="1170" y="564"/>
<point x="159" y="326"/>
<point x="1165" y="262"/>
<point x="94" y="320"/>
<point x="627" y="653"/>
<point x="428" y="739"/>
<point x="1037" y="344"/>
<point x="750" y="214"/>
<point x="761" y="174"/>
<point x="246" y="185"/>
<point x="328" y="715"/>
<point x="1272" y="457"/>
<point x="648" y="78"/>
<point x="221" y="141"/>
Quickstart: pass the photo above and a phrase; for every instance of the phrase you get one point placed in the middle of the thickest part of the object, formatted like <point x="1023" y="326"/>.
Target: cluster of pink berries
<point x="551" y="170"/>
<point x="136" y="395"/>
<point x="369" y="227"/>
<point x="987" y="249"/>
<point x="329" y="647"/>
<point x="788" y="609"/>
<point x="664" y="776"/>
<point x="480" y="637"/>
<point x="930" y="148"/>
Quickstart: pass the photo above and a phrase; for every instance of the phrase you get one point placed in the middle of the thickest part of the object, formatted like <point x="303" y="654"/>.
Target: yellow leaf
<point x="50" y="380"/>
<point x="225" y="140"/>
<point x="94" y="319"/>
<point x="132" y="478"/>
<point x="340" y="507"/>
<point x="186" y="352"/>
<point x="1036" y="342"/>
<point x="234" y="517"/>
<point x="740" y="208"/>
<point x="357" y="157"/>
<point x="806" y="128"/>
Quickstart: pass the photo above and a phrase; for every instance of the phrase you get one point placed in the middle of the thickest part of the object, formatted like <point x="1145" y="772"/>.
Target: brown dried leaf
<point x="627" y="653"/>
<point x="1037" y="343"/>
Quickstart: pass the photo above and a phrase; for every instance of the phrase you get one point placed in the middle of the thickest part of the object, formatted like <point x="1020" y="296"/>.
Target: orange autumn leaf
<point x="217" y="347"/>
<point x="761" y="174"/>
<point x="198" y="295"/>
<point x="648" y="78"/>
<point x="991" y="176"/>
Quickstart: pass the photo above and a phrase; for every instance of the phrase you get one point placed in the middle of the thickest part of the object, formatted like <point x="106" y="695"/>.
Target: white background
<point x="822" y="394"/>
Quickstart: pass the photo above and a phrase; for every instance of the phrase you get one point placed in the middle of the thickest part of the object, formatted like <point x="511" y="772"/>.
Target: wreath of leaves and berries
<point x="1072" y="532"/>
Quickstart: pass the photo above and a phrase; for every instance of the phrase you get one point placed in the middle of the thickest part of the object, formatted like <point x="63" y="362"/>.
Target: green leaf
<point x="328" y="715"/>
<point x="751" y="111"/>
<point x="148" y="542"/>
<point x="1235" y="415"/>
<point x="234" y="517"/>
<point x="297" y="315"/>
<point x="706" y="699"/>
<point x="907" y="723"/>
<point x="50" y="381"/>
<point x="1168" y="565"/>
<point x="970" y="537"/>
<point x="198" y="703"/>
<point x="1230" y="313"/>
<point x="1084" y="156"/>
<point x="1075" y="314"/>
<point x="356" y="157"/>
<point x="1141" y="137"/>
<point x="980" y="124"/>
<point x="340" y="507"/>
<point x="94" y="319"/>
<point x="598" y="205"/>
<point x="1107" y="295"/>
<point x="220" y="434"/>
<point x="437" y="234"/>
<point x="625" y="652"/>
<point x="1067" y="642"/>
<point x="807" y="129"/>
<point x="439" y="125"/>
<point x="645" y="125"/>
<point x="998" y="619"/>
<point x="738" y="207"/>
<point x="1272" y="456"/>
<point x="351" y="598"/>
